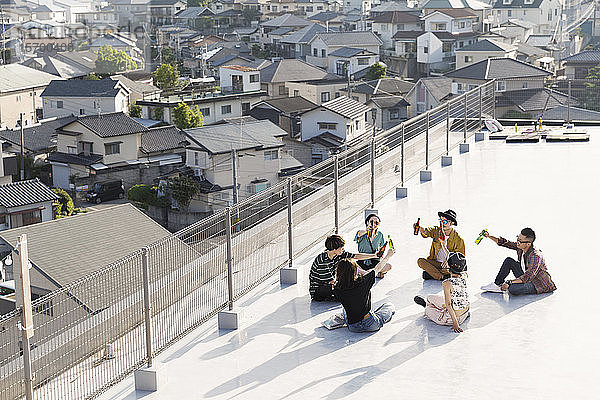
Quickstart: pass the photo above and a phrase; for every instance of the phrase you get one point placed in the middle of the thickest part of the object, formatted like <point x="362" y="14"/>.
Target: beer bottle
<point x="417" y="226"/>
<point x="390" y="241"/>
<point x="480" y="237"/>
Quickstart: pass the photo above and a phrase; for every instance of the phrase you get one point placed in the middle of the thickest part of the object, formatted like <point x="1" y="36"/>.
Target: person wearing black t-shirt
<point x="353" y="289"/>
<point x="322" y="271"/>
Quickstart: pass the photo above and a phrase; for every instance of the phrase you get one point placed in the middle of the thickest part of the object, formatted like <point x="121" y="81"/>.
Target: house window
<point x="319" y="8"/>
<point x="87" y="147"/>
<point x="71" y="150"/>
<point x="205" y="112"/>
<point x="226" y="109"/>
<point x="296" y="93"/>
<point x="356" y="124"/>
<point x="81" y="111"/>
<point x="245" y="108"/>
<point x="446" y="47"/>
<point x="400" y="27"/>
<point x="59" y="104"/>
<point x="327" y="125"/>
<point x="394" y="113"/>
<point x="550" y="16"/>
<point x="112" y="148"/>
<point x="324" y="97"/>
<point x="196" y="158"/>
<point x="309" y="9"/>
<point x="274" y="8"/>
<point x="524" y="85"/>
<point x="425" y="50"/>
<point x="315" y="52"/>
<point x="316" y="158"/>
<point x="500" y="86"/>
<point x="468" y="59"/>
<point x="254" y="78"/>
<point x="323" y="53"/>
<point x="462" y="24"/>
<point x="363" y="61"/>
<point x="271" y="155"/>
<point x="439" y="26"/>
<point x="283" y="91"/>
<point x="3" y="219"/>
<point x="509" y="12"/>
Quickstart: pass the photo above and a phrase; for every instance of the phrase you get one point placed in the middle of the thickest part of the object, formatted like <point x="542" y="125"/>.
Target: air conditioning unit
<point x="454" y="88"/>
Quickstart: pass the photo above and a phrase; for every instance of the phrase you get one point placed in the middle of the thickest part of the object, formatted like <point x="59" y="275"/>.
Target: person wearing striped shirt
<point x="322" y="271"/>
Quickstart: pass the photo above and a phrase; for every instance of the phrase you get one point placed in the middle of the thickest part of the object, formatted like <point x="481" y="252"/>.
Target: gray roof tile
<point x="286" y="20"/>
<point x="290" y="104"/>
<point x="497" y="68"/>
<point x="290" y="70"/>
<point x="162" y="139"/>
<point x="384" y="86"/>
<point x="346" y="107"/>
<point x="584" y="57"/>
<point x="82" y="88"/>
<point x="24" y="193"/>
<point x="37" y="138"/>
<point x="17" y="77"/>
<point x="304" y="35"/>
<point x="362" y="38"/>
<point x="488" y="45"/>
<point x="110" y="124"/>
<point x="347" y="52"/>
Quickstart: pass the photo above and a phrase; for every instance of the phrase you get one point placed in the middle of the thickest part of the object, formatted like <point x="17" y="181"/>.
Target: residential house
<point x="295" y="45"/>
<point x="131" y="12"/>
<point x="518" y="84"/>
<point x="113" y="146"/>
<point x="49" y="12"/>
<point x="258" y="148"/>
<point x="101" y="17"/>
<point x="119" y="43"/>
<point x="274" y="77"/>
<point x="364" y="6"/>
<point x="138" y="90"/>
<point x="239" y="79"/>
<point x="428" y="93"/>
<point x="54" y="66"/>
<point x="543" y="14"/>
<point x="331" y="20"/>
<point x="350" y="61"/>
<point x="390" y="6"/>
<point x="480" y="8"/>
<point x="530" y="54"/>
<point x="277" y="26"/>
<point x="85" y="97"/>
<point x="326" y="43"/>
<point x="24" y="203"/>
<point x="483" y="50"/>
<point x="515" y="29"/>
<point x="219" y="6"/>
<point x="578" y="65"/>
<point x="163" y="12"/>
<point x="318" y="91"/>
<point x="79" y="60"/>
<point x="405" y="43"/>
<point x="75" y="7"/>
<point x="335" y="123"/>
<point x="386" y="24"/>
<point x="365" y="91"/>
<point x="195" y="17"/>
<point x="543" y="41"/>
<point x="313" y="7"/>
<point x="20" y="90"/>
<point x="389" y="111"/>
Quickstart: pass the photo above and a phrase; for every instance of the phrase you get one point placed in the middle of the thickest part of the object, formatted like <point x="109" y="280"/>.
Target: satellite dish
<point x="8" y="260"/>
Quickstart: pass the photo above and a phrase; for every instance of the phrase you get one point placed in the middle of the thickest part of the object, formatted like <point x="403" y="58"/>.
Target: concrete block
<point x="401" y="192"/>
<point x="425" y="176"/>
<point x="463" y="148"/>
<point x="370" y="211"/>
<point x="288" y="276"/>
<point x="146" y="379"/>
<point x="446" y="161"/>
<point x="479" y="136"/>
<point x="228" y="319"/>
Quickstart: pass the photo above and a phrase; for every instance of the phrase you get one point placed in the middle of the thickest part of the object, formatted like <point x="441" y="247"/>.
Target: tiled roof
<point x="458" y="13"/>
<point x="24" y="193"/>
<point x="135" y="86"/>
<point x="324" y="16"/>
<point x="82" y="88"/>
<point x="346" y="52"/>
<point x="389" y="101"/>
<point x="162" y="139"/>
<point x="397" y="17"/>
<point x="70" y="248"/>
<point x="584" y="57"/>
<point x="384" y="86"/>
<point x="407" y="34"/>
<point x="286" y="20"/>
<point x="66" y="158"/>
<point x="290" y="70"/>
<point x="562" y="113"/>
<point x="37" y="138"/>
<point x="539" y="40"/>
<point x="498" y="68"/>
<point x="346" y="107"/>
<point x="362" y="38"/>
<point x="111" y="124"/>
<point x="518" y="4"/>
<point x="18" y="77"/>
<point x="439" y="87"/>
<point x="488" y="45"/>
<point x="290" y="104"/>
<point x="57" y="67"/>
<point x="390" y="6"/>
<point x="454" y="4"/>
<point x="194" y="12"/>
<point x="304" y="35"/>
<point x="222" y="138"/>
<point x="534" y="99"/>
<point x="281" y="31"/>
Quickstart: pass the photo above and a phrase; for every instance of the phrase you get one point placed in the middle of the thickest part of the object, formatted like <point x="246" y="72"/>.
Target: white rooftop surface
<point x="535" y="346"/>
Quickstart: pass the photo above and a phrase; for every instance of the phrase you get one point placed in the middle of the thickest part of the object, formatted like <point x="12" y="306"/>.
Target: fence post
<point x="228" y="319"/>
<point x="336" y="200"/>
<point x="447" y="127"/>
<point x="569" y="104"/>
<point x="372" y="172"/>
<point x="480" y="109"/>
<point x="401" y="192"/>
<point x="148" y="325"/>
<point x="289" y="217"/>
<point x="493" y="83"/>
<point x="465" y="122"/>
<point x="23" y="297"/>
<point x="427" y="140"/>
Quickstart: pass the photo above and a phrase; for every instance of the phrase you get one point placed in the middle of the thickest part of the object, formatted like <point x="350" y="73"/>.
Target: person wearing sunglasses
<point x="534" y="280"/>
<point x="446" y="240"/>
<point x="371" y="241"/>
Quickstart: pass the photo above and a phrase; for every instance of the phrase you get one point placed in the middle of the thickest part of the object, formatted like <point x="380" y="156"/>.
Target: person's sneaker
<point x="420" y="301"/>
<point x="426" y="276"/>
<point x="492" y="287"/>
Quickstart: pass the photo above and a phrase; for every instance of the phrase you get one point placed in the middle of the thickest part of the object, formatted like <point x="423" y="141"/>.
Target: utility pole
<point x="234" y="173"/>
<point x="22" y="149"/>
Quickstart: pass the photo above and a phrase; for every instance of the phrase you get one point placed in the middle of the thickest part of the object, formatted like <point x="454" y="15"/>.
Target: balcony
<point x="280" y="349"/>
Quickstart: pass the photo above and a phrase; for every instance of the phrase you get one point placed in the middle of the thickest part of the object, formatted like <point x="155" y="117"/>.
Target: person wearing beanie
<point x="451" y="308"/>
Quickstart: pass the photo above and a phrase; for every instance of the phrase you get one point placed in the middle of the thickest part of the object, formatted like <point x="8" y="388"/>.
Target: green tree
<point x="185" y="117"/>
<point x="158" y="113"/>
<point x="92" y="77"/>
<point x="64" y="204"/>
<point x="111" y="61"/>
<point x="250" y="14"/>
<point x="589" y="97"/>
<point x="135" y="111"/>
<point x="182" y="189"/>
<point x="376" y="71"/>
<point x="166" y="76"/>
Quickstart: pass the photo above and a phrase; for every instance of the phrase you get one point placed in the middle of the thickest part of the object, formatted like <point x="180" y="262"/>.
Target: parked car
<point x="104" y="191"/>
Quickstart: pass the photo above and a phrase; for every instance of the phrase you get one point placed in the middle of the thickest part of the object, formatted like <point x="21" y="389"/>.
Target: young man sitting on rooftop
<point x="322" y="271"/>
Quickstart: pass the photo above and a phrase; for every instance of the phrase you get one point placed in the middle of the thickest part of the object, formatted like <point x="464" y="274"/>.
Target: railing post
<point x="336" y="200"/>
<point x="402" y="155"/>
<point x="480" y="109"/>
<point x="427" y="141"/>
<point x="229" y="258"/>
<point x="465" y="122"/>
<point x="23" y="299"/>
<point x="447" y="127"/>
<point x="493" y="83"/>
<point x="147" y="322"/>
<point x="289" y="218"/>
<point x="373" y="172"/>
<point x="569" y="104"/>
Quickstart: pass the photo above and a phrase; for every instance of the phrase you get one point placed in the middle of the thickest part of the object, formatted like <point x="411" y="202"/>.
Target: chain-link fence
<point x="94" y="332"/>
